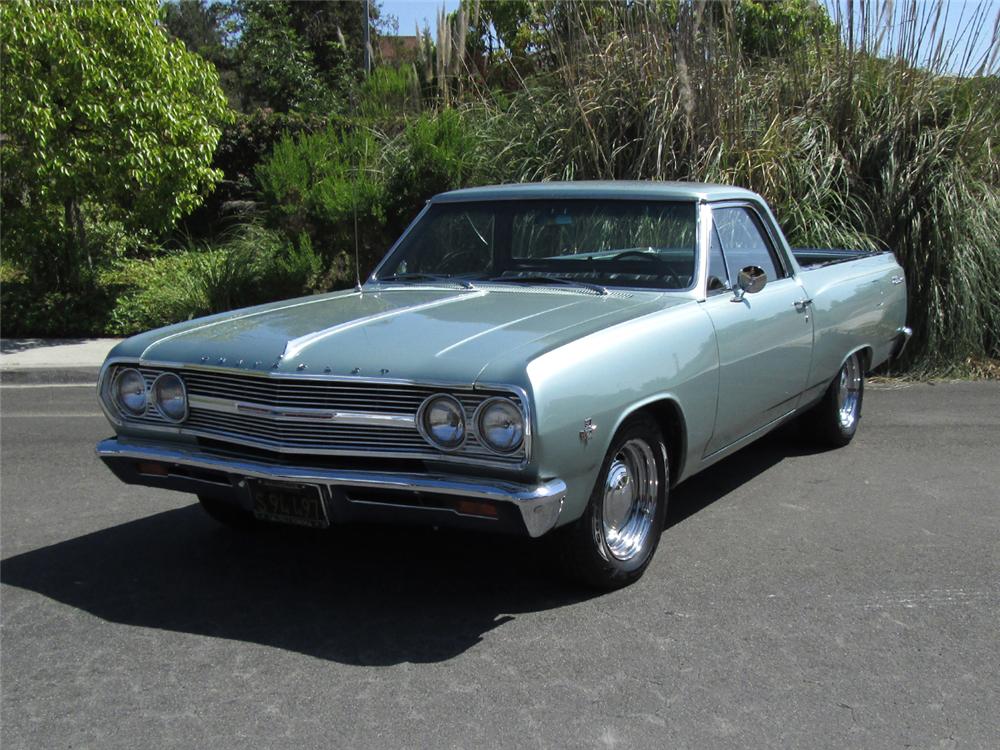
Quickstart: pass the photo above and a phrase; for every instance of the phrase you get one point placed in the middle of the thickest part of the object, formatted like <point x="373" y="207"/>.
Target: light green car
<point x="546" y="359"/>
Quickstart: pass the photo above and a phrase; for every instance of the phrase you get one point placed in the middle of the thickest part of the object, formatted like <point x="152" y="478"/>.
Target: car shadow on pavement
<point x="360" y="595"/>
<point x="733" y="472"/>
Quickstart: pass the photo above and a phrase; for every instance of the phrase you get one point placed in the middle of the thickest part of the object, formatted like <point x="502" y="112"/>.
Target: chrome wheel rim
<point x="631" y="488"/>
<point x="849" y="392"/>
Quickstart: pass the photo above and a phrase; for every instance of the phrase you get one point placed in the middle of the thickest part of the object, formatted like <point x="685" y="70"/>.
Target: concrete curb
<point x="49" y="375"/>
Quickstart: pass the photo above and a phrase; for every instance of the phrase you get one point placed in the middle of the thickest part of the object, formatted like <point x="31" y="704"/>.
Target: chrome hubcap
<point x="848" y="392"/>
<point x="631" y="488"/>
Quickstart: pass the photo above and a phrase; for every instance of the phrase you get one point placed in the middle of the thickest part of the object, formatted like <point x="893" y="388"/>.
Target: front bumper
<point x="351" y="495"/>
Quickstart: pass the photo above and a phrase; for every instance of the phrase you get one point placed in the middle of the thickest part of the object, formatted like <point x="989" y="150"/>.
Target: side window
<point x="718" y="279"/>
<point x="744" y="242"/>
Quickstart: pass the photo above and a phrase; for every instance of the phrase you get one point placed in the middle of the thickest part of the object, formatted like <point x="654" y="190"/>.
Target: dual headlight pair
<point x="167" y="394"/>
<point x="499" y="423"/>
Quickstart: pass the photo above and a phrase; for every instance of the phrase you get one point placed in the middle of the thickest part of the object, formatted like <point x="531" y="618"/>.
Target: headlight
<point x="170" y="397"/>
<point x="501" y="425"/>
<point x="130" y="392"/>
<point x="442" y="422"/>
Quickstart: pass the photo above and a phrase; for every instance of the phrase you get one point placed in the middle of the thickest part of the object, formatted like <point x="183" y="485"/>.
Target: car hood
<point x="417" y="333"/>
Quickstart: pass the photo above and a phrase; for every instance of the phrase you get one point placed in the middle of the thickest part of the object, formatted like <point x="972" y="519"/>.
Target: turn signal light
<point x="154" y="469"/>
<point x="476" y="508"/>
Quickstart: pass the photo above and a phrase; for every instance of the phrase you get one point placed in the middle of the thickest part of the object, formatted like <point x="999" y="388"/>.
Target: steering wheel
<point x="448" y="258"/>
<point x="635" y="254"/>
<point x="667" y="271"/>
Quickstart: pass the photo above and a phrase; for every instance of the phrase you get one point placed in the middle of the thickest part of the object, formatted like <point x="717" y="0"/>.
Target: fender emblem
<point x="589" y="428"/>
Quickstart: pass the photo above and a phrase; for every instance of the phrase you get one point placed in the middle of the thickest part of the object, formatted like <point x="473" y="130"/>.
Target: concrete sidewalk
<point x="52" y="360"/>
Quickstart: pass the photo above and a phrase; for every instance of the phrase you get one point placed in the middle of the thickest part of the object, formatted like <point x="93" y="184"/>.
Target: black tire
<point x="834" y="421"/>
<point x="227" y="514"/>
<point x="583" y="546"/>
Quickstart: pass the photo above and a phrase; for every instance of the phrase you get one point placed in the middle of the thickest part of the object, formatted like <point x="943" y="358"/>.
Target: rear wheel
<point x="227" y="514"/>
<point x="611" y="545"/>
<point x="834" y="420"/>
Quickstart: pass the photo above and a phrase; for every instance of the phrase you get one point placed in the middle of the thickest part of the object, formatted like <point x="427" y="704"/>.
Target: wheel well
<point x="669" y="417"/>
<point x="867" y="353"/>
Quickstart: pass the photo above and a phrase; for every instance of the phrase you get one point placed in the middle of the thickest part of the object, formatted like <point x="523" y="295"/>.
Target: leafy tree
<point x="199" y="24"/>
<point x="205" y="28"/>
<point x="329" y="29"/>
<point x="300" y="56"/>
<point x="101" y="108"/>
<point x="769" y="28"/>
<point x="499" y="32"/>
<point x="276" y="68"/>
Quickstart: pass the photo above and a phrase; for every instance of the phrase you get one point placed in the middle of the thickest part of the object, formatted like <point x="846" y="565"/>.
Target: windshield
<point x="628" y="243"/>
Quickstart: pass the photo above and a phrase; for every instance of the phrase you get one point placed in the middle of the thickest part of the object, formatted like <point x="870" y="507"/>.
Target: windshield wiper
<point x="417" y="276"/>
<point x="541" y="278"/>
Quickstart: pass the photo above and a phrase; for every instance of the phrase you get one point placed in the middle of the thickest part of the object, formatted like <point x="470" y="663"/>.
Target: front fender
<point x="609" y="375"/>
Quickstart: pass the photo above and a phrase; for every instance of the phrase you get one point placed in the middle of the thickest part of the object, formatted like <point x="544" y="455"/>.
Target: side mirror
<point x="750" y="280"/>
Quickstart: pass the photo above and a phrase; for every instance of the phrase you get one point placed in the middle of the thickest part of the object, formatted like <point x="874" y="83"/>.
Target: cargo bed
<point x="813" y="257"/>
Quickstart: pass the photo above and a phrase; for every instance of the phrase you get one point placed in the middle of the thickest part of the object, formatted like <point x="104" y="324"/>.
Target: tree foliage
<point x="775" y="27"/>
<point x="99" y="106"/>
<point x="206" y="28"/>
<point x="298" y="56"/>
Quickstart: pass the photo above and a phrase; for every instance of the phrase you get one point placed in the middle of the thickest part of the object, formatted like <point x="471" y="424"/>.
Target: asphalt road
<point x="840" y="599"/>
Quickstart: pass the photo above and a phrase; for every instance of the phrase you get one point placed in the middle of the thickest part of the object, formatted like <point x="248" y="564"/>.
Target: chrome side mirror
<point x="750" y="280"/>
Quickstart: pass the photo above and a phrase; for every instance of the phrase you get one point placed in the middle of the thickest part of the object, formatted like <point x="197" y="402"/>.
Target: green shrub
<point x="390" y="94"/>
<point x="38" y="297"/>
<point x="246" y="141"/>
<point x="323" y="184"/>
<point x="253" y="267"/>
<point x="26" y="311"/>
<point x="317" y="184"/>
<point x="435" y="152"/>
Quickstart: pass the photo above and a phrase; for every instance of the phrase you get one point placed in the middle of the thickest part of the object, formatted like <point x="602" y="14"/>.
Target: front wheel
<point x="834" y="420"/>
<point x="611" y="545"/>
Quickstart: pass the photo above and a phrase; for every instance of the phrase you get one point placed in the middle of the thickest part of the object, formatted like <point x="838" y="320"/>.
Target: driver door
<point x="765" y="340"/>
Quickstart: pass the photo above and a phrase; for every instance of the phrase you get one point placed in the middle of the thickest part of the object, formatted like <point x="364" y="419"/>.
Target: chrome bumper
<point x="539" y="505"/>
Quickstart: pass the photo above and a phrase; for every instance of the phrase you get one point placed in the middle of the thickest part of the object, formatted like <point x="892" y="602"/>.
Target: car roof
<point x="601" y="189"/>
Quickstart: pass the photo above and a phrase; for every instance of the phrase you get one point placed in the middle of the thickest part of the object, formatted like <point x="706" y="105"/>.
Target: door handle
<point x="802" y="304"/>
<point x="896" y="280"/>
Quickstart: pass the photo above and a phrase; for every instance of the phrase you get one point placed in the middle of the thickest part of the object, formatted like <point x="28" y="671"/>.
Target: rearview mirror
<point x="750" y="280"/>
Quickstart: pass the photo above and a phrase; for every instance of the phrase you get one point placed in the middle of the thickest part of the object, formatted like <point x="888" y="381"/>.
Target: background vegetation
<point x="162" y="162"/>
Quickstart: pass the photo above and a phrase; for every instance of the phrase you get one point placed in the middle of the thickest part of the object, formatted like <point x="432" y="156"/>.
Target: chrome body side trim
<point x="539" y="504"/>
<point x="903" y="335"/>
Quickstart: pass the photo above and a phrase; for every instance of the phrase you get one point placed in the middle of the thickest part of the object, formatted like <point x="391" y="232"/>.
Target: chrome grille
<point x="317" y="437"/>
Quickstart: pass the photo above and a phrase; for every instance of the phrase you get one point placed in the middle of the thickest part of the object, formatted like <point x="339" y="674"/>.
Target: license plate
<point x="298" y="504"/>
